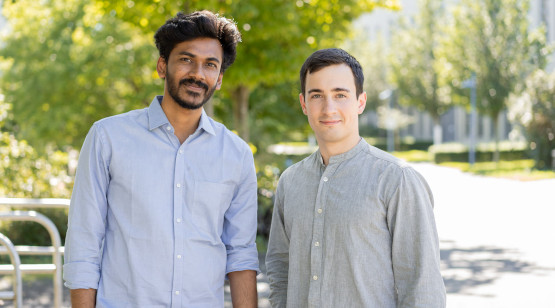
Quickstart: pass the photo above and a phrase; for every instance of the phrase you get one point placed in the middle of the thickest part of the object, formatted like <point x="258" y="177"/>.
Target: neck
<point x="184" y="121"/>
<point x="329" y="149"/>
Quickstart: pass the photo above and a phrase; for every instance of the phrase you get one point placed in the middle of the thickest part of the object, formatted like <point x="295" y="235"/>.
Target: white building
<point x="455" y="122"/>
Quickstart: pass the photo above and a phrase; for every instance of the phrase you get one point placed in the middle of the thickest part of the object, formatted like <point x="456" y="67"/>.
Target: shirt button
<point x="180" y="151"/>
<point x="319" y="211"/>
<point x="325" y="179"/>
<point x="179" y="256"/>
<point x="178" y="185"/>
<point x="317" y="244"/>
<point x="176" y="292"/>
<point x="178" y="220"/>
<point x="168" y="127"/>
<point x="314" y="277"/>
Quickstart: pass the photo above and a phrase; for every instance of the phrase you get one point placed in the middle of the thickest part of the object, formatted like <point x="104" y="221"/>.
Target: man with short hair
<point x="352" y="226"/>
<point x="165" y="199"/>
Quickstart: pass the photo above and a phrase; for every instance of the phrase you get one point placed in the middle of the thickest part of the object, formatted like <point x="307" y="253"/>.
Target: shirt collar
<point x="344" y="156"/>
<point x="157" y="117"/>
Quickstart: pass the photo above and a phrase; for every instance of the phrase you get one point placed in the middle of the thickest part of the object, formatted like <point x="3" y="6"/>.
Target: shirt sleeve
<point x="277" y="257"/>
<point x="415" y="243"/>
<point x="240" y="221"/>
<point x="87" y="215"/>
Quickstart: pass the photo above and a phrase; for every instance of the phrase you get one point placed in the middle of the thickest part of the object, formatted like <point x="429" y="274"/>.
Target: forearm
<point x="243" y="289"/>
<point x="83" y="298"/>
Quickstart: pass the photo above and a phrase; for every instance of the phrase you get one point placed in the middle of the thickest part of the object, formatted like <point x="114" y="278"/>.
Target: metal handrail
<point x="14" y="257"/>
<point x="35" y="203"/>
<point x="56" y="243"/>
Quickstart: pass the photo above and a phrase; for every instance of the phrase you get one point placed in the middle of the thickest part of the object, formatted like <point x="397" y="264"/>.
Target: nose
<point x="329" y="106"/>
<point x="196" y="71"/>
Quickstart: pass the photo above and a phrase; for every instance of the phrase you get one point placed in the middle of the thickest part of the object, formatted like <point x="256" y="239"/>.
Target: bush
<point x="405" y="143"/>
<point x="27" y="174"/>
<point x="458" y="152"/>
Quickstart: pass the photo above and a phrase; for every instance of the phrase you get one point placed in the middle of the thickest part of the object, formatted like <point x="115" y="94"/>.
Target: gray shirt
<point x="359" y="232"/>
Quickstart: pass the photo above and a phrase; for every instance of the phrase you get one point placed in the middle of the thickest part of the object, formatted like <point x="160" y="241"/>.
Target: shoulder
<point x="131" y="118"/>
<point x="232" y="143"/>
<point x="384" y="158"/>
<point x="300" y="169"/>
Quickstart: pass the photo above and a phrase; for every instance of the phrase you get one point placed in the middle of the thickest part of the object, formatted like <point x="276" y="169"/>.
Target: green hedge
<point x="404" y="144"/>
<point x="458" y="152"/>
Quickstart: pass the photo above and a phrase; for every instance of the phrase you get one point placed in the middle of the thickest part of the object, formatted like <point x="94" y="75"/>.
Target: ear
<point x="361" y="102"/>
<point x="303" y="103"/>
<point x="161" y="67"/>
<point x="219" y="82"/>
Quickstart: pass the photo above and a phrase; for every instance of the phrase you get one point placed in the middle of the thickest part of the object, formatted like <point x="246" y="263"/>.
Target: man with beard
<point x="164" y="203"/>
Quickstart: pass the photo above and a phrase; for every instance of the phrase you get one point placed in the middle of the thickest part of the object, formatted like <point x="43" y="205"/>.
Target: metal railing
<point x="56" y="250"/>
<point x="16" y="294"/>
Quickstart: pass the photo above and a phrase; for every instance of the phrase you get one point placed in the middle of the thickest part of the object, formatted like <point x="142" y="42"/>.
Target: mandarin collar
<point x="344" y="156"/>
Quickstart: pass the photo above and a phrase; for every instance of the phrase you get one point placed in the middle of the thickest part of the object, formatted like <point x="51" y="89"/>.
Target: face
<point x="192" y="71"/>
<point x="332" y="107"/>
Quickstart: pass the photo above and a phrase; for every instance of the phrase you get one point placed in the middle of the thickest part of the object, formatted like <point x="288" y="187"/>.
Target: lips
<point x="330" y="122"/>
<point x="194" y="84"/>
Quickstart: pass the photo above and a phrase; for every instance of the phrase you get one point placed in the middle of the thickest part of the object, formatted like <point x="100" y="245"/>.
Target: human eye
<point x="186" y="60"/>
<point x="315" y="96"/>
<point x="341" y="95"/>
<point x="211" y="65"/>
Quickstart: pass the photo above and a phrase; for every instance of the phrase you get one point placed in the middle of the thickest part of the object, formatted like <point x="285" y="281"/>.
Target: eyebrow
<point x="333" y="90"/>
<point x="186" y="53"/>
<point x="340" y="90"/>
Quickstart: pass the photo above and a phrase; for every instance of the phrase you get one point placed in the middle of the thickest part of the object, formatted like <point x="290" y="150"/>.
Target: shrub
<point x="458" y="152"/>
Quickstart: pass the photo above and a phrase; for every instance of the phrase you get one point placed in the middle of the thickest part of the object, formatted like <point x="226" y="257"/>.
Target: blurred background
<point x="463" y="89"/>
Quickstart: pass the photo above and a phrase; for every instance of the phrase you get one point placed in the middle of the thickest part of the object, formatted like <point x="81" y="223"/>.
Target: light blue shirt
<point x="156" y="223"/>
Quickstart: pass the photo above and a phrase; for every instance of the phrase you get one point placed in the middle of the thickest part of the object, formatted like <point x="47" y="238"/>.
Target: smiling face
<point x="332" y="106"/>
<point x="192" y="72"/>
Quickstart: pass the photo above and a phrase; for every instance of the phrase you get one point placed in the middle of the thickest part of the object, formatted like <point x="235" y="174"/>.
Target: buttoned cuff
<point x="242" y="259"/>
<point x="81" y="275"/>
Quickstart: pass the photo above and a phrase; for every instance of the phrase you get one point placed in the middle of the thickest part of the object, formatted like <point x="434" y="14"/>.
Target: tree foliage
<point x="492" y="39"/>
<point x="534" y="110"/>
<point x="277" y="37"/>
<point x="66" y="64"/>
<point x="71" y="62"/>
<point x="417" y="69"/>
<point x="372" y="56"/>
<point x="27" y="174"/>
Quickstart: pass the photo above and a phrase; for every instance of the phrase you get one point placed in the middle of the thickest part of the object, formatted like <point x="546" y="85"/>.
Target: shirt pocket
<point x="210" y="203"/>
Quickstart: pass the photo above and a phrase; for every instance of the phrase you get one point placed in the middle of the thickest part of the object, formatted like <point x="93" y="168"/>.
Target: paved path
<point x="497" y="241"/>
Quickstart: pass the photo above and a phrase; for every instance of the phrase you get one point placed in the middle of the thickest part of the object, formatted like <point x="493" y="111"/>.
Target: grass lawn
<point x="521" y="170"/>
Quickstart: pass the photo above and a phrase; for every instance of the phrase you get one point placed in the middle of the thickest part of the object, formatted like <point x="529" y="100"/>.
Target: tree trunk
<point x="438" y="132"/>
<point x="240" y="96"/>
<point x="496" y="133"/>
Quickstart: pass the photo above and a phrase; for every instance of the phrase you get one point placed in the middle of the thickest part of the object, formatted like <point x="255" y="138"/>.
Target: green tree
<point x="417" y="68"/>
<point x="492" y="39"/>
<point x="534" y="111"/>
<point x="27" y="174"/>
<point x="277" y="37"/>
<point x="70" y="62"/>
<point x="65" y="64"/>
<point x="372" y="55"/>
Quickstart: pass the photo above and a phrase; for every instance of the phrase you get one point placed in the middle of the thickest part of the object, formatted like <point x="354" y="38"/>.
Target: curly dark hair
<point x="200" y="24"/>
<point x="326" y="57"/>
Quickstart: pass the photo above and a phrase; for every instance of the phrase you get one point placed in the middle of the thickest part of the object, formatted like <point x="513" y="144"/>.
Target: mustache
<point x="195" y="82"/>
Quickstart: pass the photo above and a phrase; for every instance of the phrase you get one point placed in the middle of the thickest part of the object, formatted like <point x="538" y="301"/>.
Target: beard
<point x="173" y="90"/>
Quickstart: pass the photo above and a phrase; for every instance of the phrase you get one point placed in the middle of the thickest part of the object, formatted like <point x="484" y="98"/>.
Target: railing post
<point x="56" y="243"/>
<point x="14" y="257"/>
